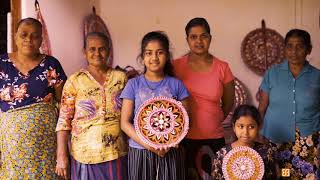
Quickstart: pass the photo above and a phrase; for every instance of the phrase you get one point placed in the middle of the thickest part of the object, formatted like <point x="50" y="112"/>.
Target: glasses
<point x="204" y="36"/>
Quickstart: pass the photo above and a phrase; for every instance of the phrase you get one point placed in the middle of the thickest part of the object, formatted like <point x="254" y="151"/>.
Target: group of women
<point x="97" y="105"/>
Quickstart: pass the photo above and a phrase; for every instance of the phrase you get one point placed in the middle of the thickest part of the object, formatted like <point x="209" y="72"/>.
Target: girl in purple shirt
<point x="146" y="162"/>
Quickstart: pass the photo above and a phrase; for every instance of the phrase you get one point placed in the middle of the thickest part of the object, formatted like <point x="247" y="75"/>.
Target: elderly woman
<point x="290" y="105"/>
<point x="90" y="110"/>
<point x="30" y="84"/>
<point x="209" y="80"/>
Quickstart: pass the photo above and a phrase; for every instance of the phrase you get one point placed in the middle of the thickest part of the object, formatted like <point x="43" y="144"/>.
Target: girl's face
<point x="154" y="57"/>
<point x="28" y="38"/>
<point x="96" y="52"/>
<point x="199" y="40"/>
<point x="246" y="130"/>
<point x="296" y="51"/>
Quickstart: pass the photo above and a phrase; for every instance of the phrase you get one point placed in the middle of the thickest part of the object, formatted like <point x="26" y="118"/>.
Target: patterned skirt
<point x="146" y="165"/>
<point x="28" y="142"/>
<point x="300" y="159"/>
<point x="111" y="170"/>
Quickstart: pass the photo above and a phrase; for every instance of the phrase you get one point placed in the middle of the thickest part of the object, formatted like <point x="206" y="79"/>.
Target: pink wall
<point x="129" y="20"/>
<point x="64" y="22"/>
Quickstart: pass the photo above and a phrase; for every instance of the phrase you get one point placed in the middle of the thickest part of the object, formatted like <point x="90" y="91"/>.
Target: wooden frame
<point x="16" y="16"/>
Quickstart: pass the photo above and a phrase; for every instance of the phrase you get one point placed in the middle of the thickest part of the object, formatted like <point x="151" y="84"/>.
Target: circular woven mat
<point x="262" y="48"/>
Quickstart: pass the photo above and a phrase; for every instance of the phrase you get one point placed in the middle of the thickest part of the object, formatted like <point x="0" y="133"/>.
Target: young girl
<point x="144" y="161"/>
<point x="246" y="122"/>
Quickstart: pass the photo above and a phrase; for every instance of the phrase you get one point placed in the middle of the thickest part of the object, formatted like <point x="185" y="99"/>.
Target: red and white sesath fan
<point x="243" y="163"/>
<point x="161" y="122"/>
<point x="45" y="46"/>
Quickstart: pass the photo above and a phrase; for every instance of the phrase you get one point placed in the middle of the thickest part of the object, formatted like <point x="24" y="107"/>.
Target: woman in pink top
<point x="210" y="83"/>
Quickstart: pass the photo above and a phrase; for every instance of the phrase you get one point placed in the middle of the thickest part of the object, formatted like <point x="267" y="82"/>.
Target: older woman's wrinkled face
<point x="96" y="52"/>
<point x="296" y="51"/>
<point x="28" y="38"/>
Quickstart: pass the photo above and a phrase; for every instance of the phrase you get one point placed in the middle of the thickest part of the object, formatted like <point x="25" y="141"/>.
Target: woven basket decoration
<point x="262" y="48"/>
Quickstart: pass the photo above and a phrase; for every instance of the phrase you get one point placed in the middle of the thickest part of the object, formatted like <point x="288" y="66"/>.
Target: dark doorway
<point x="4" y="9"/>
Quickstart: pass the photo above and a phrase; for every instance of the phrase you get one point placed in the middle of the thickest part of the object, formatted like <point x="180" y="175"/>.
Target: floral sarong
<point x="28" y="142"/>
<point x="300" y="158"/>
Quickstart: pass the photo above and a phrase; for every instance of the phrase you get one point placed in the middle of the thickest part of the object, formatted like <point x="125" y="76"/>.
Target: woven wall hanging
<point x="262" y="48"/>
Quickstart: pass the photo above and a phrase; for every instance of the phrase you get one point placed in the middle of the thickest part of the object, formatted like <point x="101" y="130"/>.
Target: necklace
<point x="149" y="85"/>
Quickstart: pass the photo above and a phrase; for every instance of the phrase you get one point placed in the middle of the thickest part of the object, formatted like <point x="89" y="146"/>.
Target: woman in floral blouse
<point x="90" y="110"/>
<point x="30" y="84"/>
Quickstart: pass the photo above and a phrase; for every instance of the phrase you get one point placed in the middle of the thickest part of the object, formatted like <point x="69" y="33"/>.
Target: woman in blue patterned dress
<point x="30" y="85"/>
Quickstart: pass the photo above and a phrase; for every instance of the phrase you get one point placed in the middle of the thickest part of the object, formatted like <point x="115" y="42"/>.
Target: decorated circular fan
<point x="243" y="163"/>
<point x="161" y="122"/>
<point x="262" y="48"/>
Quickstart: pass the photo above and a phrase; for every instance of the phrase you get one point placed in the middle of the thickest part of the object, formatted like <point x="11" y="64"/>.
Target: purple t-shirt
<point x="139" y="89"/>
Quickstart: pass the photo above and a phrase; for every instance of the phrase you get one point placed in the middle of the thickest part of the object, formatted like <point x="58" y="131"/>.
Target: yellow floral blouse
<point x="92" y="113"/>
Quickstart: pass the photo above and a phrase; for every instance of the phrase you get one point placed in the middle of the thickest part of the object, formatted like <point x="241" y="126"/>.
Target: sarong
<point x="111" y="170"/>
<point x="28" y="142"/>
<point x="300" y="159"/>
